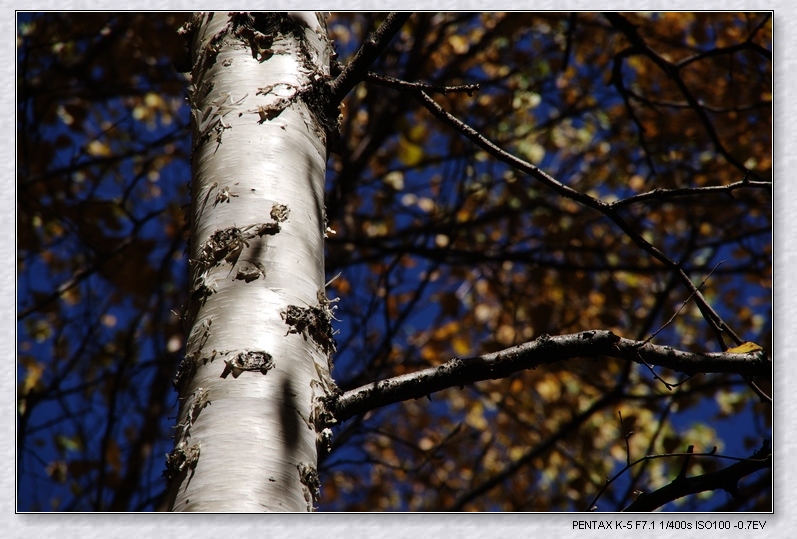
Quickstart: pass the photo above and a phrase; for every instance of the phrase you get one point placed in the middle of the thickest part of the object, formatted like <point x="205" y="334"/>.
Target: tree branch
<point x="541" y="351"/>
<point x="725" y="479"/>
<point x="662" y="195"/>
<point x="538" y="450"/>
<point x="709" y="314"/>
<point x="399" y="84"/>
<point x="357" y="69"/>
<point x="639" y="46"/>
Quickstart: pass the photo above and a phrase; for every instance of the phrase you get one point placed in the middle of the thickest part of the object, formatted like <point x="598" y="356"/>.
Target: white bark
<point x="246" y="439"/>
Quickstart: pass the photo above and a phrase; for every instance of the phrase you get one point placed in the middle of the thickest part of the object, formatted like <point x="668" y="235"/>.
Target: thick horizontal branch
<point x="544" y="350"/>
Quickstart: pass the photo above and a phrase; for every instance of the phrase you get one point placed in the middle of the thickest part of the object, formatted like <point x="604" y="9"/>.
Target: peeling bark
<point x="260" y="126"/>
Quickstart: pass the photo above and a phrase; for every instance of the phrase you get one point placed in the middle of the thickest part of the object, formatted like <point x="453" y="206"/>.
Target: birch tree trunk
<point x="257" y="355"/>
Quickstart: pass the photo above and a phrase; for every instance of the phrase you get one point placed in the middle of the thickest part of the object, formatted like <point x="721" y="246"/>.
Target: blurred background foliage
<point x="442" y="251"/>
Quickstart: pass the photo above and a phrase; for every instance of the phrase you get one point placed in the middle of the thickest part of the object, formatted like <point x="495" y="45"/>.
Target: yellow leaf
<point x="745" y="348"/>
<point x="475" y="417"/>
<point x="98" y="148"/>
<point x="459" y="44"/>
<point x="417" y="134"/>
<point x="33" y="374"/>
<point x="409" y="153"/>
<point x="461" y="345"/>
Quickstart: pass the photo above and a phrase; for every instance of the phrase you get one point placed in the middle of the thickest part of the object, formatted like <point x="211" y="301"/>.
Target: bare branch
<point x="683" y="304"/>
<point x="709" y="314"/>
<point x="399" y="84"/>
<point x="538" y="450"/>
<point x="662" y="195"/>
<point x="726" y="479"/>
<point x="639" y="46"/>
<point x="459" y="372"/>
<point x="370" y="50"/>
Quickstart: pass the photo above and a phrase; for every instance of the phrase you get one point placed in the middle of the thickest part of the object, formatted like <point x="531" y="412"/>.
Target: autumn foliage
<point x="612" y="160"/>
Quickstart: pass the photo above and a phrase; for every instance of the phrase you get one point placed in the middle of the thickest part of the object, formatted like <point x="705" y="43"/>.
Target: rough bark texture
<point x="543" y="350"/>
<point x="258" y="321"/>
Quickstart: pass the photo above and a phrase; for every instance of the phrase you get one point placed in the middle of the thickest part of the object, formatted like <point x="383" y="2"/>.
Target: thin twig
<point x="415" y="86"/>
<point x="683" y="304"/>
<point x="640" y="47"/>
<point x="756" y="461"/>
<point x="766" y="399"/>
<point x="654" y="373"/>
<point x="661" y="195"/>
<point x="689" y="452"/>
<point x="726" y="479"/>
<point x="626" y="435"/>
<point x="714" y="320"/>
